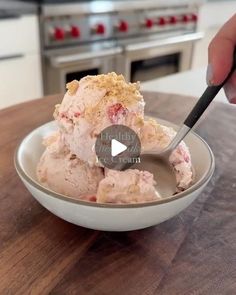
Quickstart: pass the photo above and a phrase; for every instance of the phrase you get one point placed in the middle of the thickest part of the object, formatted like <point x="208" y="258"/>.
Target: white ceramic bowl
<point x="111" y="217"/>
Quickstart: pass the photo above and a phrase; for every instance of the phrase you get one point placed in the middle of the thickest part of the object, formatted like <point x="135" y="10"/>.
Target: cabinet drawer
<point x="19" y="35"/>
<point x="21" y="78"/>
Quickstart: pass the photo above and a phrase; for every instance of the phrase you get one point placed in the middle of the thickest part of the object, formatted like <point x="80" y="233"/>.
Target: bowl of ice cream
<point x="58" y="164"/>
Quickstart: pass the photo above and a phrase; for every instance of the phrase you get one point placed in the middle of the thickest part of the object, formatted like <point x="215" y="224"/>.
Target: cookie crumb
<point x="72" y="87"/>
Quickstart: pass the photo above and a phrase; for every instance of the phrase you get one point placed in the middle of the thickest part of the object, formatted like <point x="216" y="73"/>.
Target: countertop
<point x="191" y="254"/>
<point x="16" y="7"/>
<point x="189" y="83"/>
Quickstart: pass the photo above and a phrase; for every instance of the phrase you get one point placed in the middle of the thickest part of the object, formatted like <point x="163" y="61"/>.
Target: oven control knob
<point x="172" y="20"/>
<point x="194" y="17"/>
<point x="100" y="29"/>
<point x="74" y="31"/>
<point x="185" y="18"/>
<point x="123" y="26"/>
<point x="149" y="23"/>
<point x="59" y="33"/>
<point x="161" y="21"/>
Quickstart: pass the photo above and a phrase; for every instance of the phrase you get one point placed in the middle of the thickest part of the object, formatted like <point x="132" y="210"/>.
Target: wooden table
<point x="193" y="253"/>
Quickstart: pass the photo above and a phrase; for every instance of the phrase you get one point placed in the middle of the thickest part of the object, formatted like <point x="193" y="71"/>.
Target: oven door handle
<point x="13" y="56"/>
<point x="163" y="42"/>
<point x="60" y="61"/>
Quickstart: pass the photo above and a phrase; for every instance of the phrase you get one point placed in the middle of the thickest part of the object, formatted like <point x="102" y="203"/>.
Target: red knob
<point x="74" y="31"/>
<point x="194" y="17"/>
<point x="100" y="29"/>
<point x="59" y="33"/>
<point x="161" y="21"/>
<point x="172" y="20"/>
<point x="185" y="18"/>
<point x="123" y="26"/>
<point x="149" y="23"/>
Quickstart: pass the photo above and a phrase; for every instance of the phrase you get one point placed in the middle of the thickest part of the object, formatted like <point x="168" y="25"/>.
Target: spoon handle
<point x="206" y="98"/>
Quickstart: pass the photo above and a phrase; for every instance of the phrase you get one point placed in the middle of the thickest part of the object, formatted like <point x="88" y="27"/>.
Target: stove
<point x="89" y="37"/>
<point x="71" y="23"/>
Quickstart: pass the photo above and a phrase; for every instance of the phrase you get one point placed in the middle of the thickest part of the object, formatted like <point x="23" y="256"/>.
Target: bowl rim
<point x="65" y="198"/>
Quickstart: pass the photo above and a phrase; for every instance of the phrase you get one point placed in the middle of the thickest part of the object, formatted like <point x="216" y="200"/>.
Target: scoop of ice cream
<point x="55" y="145"/>
<point x="94" y="103"/>
<point x="63" y="172"/>
<point x="156" y="137"/>
<point x="88" y="107"/>
<point x="129" y="186"/>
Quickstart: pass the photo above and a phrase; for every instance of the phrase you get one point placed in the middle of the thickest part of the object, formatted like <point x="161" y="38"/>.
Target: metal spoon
<point x="149" y="160"/>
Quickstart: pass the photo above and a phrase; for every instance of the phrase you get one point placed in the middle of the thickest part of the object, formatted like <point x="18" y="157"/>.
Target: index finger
<point x="220" y="51"/>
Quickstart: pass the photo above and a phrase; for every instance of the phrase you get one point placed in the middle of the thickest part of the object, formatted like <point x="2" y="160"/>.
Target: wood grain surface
<point x="193" y="253"/>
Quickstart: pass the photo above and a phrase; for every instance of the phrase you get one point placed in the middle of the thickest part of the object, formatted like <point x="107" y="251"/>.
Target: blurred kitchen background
<point x="162" y="43"/>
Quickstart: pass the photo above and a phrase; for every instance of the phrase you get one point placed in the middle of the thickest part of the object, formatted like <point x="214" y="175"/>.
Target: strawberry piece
<point x="115" y="111"/>
<point x="92" y="199"/>
<point x="77" y="114"/>
<point x="183" y="153"/>
<point x="186" y="157"/>
<point x="63" y="115"/>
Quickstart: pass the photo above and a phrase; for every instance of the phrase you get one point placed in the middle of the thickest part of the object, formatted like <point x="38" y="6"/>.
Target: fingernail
<point x="209" y="75"/>
<point x="233" y="100"/>
<point x="230" y="92"/>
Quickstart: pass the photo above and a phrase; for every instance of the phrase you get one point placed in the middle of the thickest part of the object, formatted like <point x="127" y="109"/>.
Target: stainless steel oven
<point x="140" y="39"/>
<point x="63" y="66"/>
<point x="150" y="59"/>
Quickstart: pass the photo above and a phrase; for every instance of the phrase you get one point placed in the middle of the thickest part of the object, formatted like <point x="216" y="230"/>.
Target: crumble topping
<point x="47" y="141"/>
<point x="72" y="87"/>
<point x="116" y="87"/>
<point x="56" y="111"/>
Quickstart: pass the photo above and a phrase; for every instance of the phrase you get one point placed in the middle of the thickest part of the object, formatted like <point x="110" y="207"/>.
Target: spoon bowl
<point x="162" y="172"/>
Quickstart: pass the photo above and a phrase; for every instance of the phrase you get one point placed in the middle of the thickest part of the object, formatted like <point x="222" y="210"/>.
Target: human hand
<point x="220" y="58"/>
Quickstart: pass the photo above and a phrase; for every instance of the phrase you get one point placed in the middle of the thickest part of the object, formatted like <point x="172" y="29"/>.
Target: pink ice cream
<point x="94" y="103"/>
<point x="63" y="172"/>
<point x="129" y="186"/>
<point x="69" y="165"/>
<point x="156" y="137"/>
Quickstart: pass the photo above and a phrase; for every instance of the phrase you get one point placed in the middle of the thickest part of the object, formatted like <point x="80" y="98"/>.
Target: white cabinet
<point x="212" y="16"/>
<point x="19" y="79"/>
<point x="20" y="64"/>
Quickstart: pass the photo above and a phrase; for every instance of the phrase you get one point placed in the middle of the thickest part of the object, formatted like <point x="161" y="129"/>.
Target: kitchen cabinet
<point x="20" y="79"/>
<point x="20" y="63"/>
<point x="212" y="15"/>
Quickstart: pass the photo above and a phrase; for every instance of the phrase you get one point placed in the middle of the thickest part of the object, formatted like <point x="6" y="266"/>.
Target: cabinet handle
<point x="73" y="58"/>
<point x="8" y="15"/>
<point x="165" y="42"/>
<point x="5" y="57"/>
